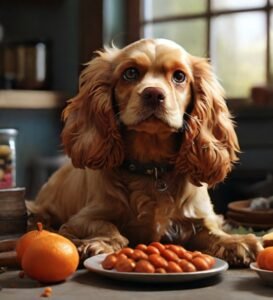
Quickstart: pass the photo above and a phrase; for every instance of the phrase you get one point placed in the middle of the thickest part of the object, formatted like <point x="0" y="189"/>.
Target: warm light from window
<point x="233" y="33"/>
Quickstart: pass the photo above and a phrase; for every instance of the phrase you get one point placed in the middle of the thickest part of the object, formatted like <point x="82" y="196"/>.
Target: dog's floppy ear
<point x="91" y="135"/>
<point x="210" y="144"/>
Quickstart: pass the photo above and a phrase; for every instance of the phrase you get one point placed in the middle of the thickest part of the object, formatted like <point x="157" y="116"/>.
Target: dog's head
<point x="151" y="86"/>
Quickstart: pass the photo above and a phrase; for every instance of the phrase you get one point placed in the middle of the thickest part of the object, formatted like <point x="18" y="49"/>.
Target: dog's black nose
<point x="153" y="96"/>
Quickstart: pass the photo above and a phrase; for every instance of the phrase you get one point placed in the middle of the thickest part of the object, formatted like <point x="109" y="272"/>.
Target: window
<point x="236" y="34"/>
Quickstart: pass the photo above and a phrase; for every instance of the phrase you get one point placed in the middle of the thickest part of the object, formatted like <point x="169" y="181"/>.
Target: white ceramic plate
<point x="94" y="264"/>
<point x="265" y="275"/>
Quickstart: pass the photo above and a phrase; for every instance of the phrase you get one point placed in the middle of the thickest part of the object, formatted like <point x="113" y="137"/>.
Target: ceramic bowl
<point x="240" y="212"/>
<point x="265" y="275"/>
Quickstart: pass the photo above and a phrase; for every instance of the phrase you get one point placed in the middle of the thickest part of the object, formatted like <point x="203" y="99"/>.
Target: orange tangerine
<point x="51" y="258"/>
<point x="26" y="239"/>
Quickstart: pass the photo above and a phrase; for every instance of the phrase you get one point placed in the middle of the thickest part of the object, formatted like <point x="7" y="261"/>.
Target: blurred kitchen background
<point x="44" y="44"/>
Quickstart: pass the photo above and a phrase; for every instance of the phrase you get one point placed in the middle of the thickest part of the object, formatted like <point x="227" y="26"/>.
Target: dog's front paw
<point x="97" y="246"/>
<point x="237" y="250"/>
<point x="91" y="248"/>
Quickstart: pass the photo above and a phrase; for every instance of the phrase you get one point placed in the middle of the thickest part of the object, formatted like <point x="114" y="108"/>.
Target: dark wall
<point x="38" y="136"/>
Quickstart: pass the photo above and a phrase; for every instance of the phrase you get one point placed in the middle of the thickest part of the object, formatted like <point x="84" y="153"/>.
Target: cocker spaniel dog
<point x="147" y="134"/>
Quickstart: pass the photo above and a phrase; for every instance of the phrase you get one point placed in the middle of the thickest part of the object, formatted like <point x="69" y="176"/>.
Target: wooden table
<point x="238" y="284"/>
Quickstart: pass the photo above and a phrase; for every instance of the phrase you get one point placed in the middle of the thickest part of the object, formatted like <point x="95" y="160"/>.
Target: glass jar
<point x="8" y="157"/>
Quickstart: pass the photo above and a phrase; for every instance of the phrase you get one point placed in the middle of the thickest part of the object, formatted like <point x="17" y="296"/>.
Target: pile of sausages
<point x="158" y="258"/>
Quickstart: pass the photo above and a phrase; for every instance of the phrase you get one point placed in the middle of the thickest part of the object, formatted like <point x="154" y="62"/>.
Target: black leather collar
<point x="155" y="170"/>
<point x="152" y="169"/>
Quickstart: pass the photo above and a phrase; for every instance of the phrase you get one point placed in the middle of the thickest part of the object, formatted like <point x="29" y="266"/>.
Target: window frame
<point x="136" y="24"/>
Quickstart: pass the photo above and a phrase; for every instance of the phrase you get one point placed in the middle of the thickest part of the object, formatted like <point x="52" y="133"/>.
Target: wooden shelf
<point x="30" y="99"/>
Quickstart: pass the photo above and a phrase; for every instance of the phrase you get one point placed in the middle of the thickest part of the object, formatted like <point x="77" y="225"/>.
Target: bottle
<point x="8" y="157"/>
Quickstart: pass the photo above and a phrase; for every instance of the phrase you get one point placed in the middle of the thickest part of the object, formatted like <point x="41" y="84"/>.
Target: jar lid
<point x="9" y="131"/>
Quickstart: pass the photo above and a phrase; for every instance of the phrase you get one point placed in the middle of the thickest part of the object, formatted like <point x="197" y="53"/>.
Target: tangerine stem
<point x="39" y="226"/>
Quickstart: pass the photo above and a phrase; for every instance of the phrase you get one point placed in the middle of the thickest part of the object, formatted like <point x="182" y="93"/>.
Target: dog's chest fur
<point x="154" y="215"/>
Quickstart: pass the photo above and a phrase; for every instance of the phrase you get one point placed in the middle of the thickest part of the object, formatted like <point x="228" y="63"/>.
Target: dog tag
<point x="161" y="185"/>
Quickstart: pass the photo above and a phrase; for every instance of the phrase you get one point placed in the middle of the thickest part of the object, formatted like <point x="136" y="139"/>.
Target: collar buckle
<point x="150" y="169"/>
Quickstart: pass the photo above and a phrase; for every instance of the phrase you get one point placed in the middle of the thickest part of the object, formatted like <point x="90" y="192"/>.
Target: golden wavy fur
<point x="151" y="103"/>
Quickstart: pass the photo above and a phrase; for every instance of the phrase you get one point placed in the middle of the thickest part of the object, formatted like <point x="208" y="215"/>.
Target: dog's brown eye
<point x="131" y="74"/>
<point x="179" y="76"/>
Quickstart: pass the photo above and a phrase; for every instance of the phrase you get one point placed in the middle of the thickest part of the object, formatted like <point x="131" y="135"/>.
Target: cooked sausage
<point x="109" y="261"/>
<point x="144" y="266"/>
<point x="200" y="263"/>
<point x="158" y="261"/>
